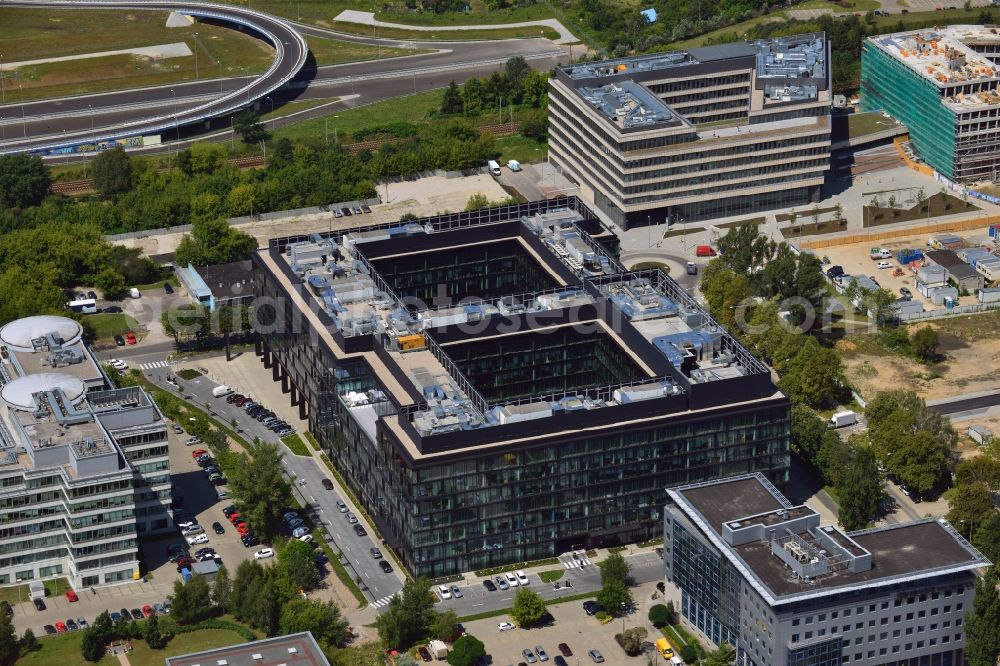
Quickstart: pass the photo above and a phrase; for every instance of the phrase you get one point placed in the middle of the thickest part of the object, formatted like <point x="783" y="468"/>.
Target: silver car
<point x="351" y="518"/>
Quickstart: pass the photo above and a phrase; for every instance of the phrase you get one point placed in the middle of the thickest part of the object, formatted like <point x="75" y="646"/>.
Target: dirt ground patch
<point x="971" y="355"/>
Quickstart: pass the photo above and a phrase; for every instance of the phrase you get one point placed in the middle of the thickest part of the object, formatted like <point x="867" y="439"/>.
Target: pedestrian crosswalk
<point x="154" y="364"/>
<point x="383" y="602"/>
<point x="574" y="562"/>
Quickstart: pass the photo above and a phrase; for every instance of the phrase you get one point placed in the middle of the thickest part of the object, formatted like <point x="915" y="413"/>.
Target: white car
<point x="884" y="264"/>
<point x="505" y="626"/>
<point x="521" y="578"/>
<point x="187" y="524"/>
<point x="196" y="539"/>
<point x="511" y="579"/>
<point x="443" y="592"/>
<point x="263" y="554"/>
<point x="306" y="538"/>
<point x="341" y="507"/>
<point x="193" y="529"/>
<point x="513" y="165"/>
<point x="118" y="364"/>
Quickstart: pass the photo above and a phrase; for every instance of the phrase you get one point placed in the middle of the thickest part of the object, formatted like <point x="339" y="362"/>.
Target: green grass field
<point x="108" y="325"/>
<point x="295" y="445"/>
<point x="854" y="6"/>
<point x="522" y="149"/>
<point x="63" y="650"/>
<point x="34" y="34"/>
<point x="444" y="34"/>
<point x="17" y="593"/>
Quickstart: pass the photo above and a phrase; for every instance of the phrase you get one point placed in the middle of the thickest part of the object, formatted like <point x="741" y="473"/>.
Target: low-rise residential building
<point x="765" y="576"/>
<point x="84" y="468"/>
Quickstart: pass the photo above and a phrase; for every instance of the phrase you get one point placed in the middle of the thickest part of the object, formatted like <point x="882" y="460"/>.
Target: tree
<point x="213" y="241"/>
<point x="92" y="646"/>
<point x="725" y="291"/>
<point x="24" y="181"/>
<point x="745" y="250"/>
<point x="982" y="641"/>
<point x="477" y="201"/>
<point x="860" y="490"/>
<point x="517" y="70"/>
<point x="249" y="574"/>
<point x="321" y="618"/>
<point x="247" y="125"/>
<point x="264" y="610"/>
<point x="838" y="213"/>
<point x="921" y="198"/>
<point x="614" y="596"/>
<point x="151" y="634"/>
<point x="111" y="282"/>
<point x="807" y="433"/>
<point x="408" y="616"/>
<point x="659" y="616"/>
<point x="688" y="653"/>
<point x="813" y="376"/>
<point x="452" y="101"/>
<point x="221" y="588"/>
<point x="969" y="507"/>
<point x="29" y="643"/>
<point x="190" y="601"/>
<point x="878" y="303"/>
<point x="112" y="171"/>
<point x="297" y="566"/>
<point x="9" y="647"/>
<point x="721" y="657"/>
<point x="444" y="625"/>
<point x="614" y="568"/>
<point x="987" y="538"/>
<point x="631" y="640"/>
<point x="671" y="613"/>
<point x="528" y="608"/>
<point x="466" y="651"/>
<point x="260" y="489"/>
<point x="924" y="342"/>
<point x="535" y="126"/>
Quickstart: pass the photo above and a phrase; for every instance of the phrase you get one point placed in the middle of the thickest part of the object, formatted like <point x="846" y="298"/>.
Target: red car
<point x="61" y="627"/>
<point x="71" y="596"/>
<point x="198" y="452"/>
<point x="147" y="610"/>
<point x="130" y="338"/>
<point x="243" y="529"/>
<point x="234" y="518"/>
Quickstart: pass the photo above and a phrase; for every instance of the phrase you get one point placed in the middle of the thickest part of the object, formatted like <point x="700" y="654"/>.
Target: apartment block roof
<point x="292" y="650"/>
<point x="784" y="552"/>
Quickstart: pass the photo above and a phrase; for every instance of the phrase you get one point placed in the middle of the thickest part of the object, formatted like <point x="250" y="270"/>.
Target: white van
<point x="513" y="165"/>
<point x="493" y="167"/>
<point x="134" y="293"/>
<point x="220" y="391"/>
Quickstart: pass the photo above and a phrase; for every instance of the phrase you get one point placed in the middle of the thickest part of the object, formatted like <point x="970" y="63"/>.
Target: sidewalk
<point x="600" y="554"/>
<point x="368" y="18"/>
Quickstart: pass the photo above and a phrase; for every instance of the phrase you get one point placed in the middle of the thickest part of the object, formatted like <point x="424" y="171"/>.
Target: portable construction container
<point x="932" y="275"/>
<point x="980" y="434"/>
<point x="908" y="307"/>
<point x="989" y="295"/>
<point x="989" y="268"/>
<point x="905" y="256"/>
<point x="971" y="255"/>
<point x="994" y="230"/>
<point x="939" y="295"/>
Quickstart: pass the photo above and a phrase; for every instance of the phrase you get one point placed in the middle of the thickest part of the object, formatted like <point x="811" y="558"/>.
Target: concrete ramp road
<point x="290" y="55"/>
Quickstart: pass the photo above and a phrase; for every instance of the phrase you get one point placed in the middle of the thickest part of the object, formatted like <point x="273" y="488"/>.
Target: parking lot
<point x="570" y="625"/>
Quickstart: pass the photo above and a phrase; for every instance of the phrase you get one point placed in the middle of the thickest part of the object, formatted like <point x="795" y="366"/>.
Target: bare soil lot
<point x="971" y="353"/>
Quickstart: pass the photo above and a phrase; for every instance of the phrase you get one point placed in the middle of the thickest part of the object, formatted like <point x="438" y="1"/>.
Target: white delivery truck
<point x="841" y="419"/>
<point x="134" y="293"/>
<point x="494" y="167"/>
<point x="220" y="391"/>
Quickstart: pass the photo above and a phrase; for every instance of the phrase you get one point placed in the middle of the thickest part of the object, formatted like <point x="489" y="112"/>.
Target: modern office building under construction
<point x="497" y="388"/>
<point x="944" y="85"/>
<point x="699" y="134"/>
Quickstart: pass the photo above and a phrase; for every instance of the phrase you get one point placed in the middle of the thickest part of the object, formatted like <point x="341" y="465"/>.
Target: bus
<point x="84" y="305"/>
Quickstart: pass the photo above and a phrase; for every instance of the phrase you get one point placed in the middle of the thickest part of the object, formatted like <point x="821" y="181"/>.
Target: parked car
<point x="39" y="604"/>
<point x="168" y="288"/>
<point x="444" y="592"/>
<point x="489" y="585"/>
<point x="71" y="596"/>
<point x="502" y="583"/>
<point x="130" y="338"/>
<point x="360" y="531"/>
<point x="456" y="592"/>
<point x="385" y="566"/>
<point x="884" y="264"/>
<point x="521" y="578"/>
<point x="137" y="614"/>
<point x="196" y="539"/>
<point x="300" y="531"/>
<point x="366" y="208"/>
<point x="542" y="655"/>
<point x="834" y="272"/>
<point x="229" y="510"/>
<point x="529" y="656"/>
<point x="296" y="522"/>
<point x="906" y="293"/>
<point x="159" y="609"/>
<point x="147" y="610"/>
<point x="511" y="579"/>
<point x="119" y="340"/>
<point x="424" y="653"/>
<point x="198" y="453"/>
<point x="61" y="627"/>
<point x="595" y="654"/>
<point x="192" y="441"/>
<point x="288" y="515"/>
<point x="590" y="607"/>
<point x="263" y="554"/>
<point x="346" y="211"/>
<point x="114" y="309"/>
<point x="505" y="626"/>
<point x="218" y="528"/>
<point x="351" y="518"/>
<point x="204" y="551"/>
<point x="49" y="630"/>
<point x="82" y="623"/>
<point x="341" y="507"/>
<point x="327" y="483"/>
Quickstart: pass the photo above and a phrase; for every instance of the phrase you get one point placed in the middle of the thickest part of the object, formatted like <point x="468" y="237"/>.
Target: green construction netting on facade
<point x="890" y="86"/>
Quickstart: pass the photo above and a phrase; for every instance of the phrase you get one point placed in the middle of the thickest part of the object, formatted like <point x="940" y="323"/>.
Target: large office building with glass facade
<point x="84" y="468"/>
<point x="764" y="576"/>
<point x="700" y="134"/>
<point x="497" y="388"/>
<point x="944" y="85"/>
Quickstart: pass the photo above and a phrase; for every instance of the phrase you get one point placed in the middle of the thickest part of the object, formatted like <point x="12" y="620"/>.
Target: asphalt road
<point x="320" y="503"/>
<point x="291" y="53"/>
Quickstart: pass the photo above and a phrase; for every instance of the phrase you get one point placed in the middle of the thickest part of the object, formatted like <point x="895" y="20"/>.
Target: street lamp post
<point x="24" y="126"/>
<point x="196" y="56"/>
<point x="3" y="96"/>
<point x="268" y="98"/>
